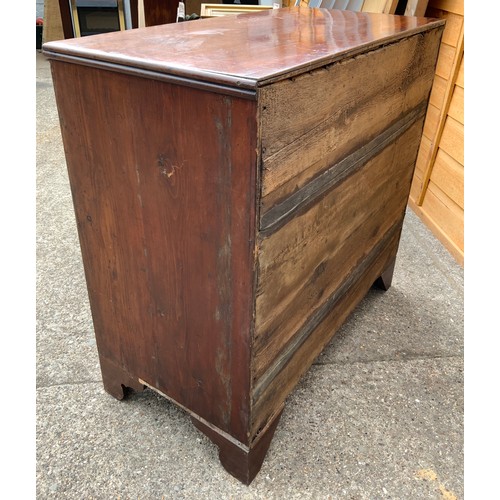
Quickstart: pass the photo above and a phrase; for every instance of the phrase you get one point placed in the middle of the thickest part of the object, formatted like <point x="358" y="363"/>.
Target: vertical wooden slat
<point x="442" y="117"/>
<point x="53" y="27"/>
<point x="391" y="6"/>
<point x="416" y="8"/>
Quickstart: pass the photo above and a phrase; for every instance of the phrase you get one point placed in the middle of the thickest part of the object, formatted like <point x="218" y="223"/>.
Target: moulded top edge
<point x="244" y="50"/>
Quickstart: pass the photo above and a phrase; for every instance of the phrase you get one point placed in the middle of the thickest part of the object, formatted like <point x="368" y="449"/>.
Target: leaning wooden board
<point x="239" y="184"/>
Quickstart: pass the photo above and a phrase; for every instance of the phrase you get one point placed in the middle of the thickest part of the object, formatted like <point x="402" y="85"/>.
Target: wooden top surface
<point x="246" y="50"/>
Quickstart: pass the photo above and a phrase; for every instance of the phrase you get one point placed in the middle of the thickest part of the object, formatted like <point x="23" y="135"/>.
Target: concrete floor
<point x="379" y="415"/>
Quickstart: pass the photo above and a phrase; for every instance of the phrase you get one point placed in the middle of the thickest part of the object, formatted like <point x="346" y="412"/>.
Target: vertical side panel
<point x="163" y="183"/>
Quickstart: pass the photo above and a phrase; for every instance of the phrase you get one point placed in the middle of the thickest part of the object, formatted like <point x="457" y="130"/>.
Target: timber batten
<point x="437" y="192"/>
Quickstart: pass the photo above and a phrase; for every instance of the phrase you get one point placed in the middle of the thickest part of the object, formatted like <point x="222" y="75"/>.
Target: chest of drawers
<point x="239" y="183"/>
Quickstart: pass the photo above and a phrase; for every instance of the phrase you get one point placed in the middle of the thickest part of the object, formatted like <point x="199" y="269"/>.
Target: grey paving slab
<point x="380" y="414"/>
<point x="378" y="430"/>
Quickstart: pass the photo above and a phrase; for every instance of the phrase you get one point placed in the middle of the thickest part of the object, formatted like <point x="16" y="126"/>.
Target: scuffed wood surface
<point x="166" y="227"/>
<point x="312" y="121"/>
<point x="306" y="261"/>
<point x="217" y="49"/>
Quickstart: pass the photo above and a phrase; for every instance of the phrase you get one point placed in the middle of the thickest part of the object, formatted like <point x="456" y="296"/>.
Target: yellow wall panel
<point x="437" y="190"/>
<point x="445" y="61"/>
<point x="451" y="35"/>
<point x="438" y="92"/>
<point x="446" y="214"/>
<point x="431" y="122"/>
<point x="448" y="175"/>
<point x="374" y="6"/>
<point x="452" y="140"/>
<point x="456" y="110"/>
<point x="422" y="159"/>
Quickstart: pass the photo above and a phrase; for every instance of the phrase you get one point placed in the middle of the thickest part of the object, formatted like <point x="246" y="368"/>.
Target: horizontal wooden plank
<point x="446" y="214"/>
<point x="333" y="123"/>
<point x="448" y="175"/>
<point x="268" y="400"/>
<point x="456" y="109"/>
<point x="315" y="319"/>
<point x="445" y="61"/>
<point x="455" y="6"/>
<point x="453" y="29"/>
<point x="302" y="198"/>
<point x="306" y="260"/>
<point x="452" y="140"/>
<point x="164" y="221"/>
<point x="456" y="252"/>
<point x="416" y="7"/>
<point x="438" y="92"/>
<point x="453" y="26"/>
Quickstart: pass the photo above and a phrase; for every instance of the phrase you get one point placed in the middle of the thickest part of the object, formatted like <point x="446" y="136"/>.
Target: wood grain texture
<point x="158" y="12"/>
<point x="427" y="217"/>
<point x="335" y="123"/>
<point x="308" y="259"/>
<point x="116" y="380"/>
<point x="391" y="6"/>
<point x="451" y="34"/>
<point x="423" y="153"/>
<point x="242" y="462"/>
<point x="438" y="128"/>
<point x="272" y="395"/>
<point x="170" y="282"/>
<point x="216" y="273"/>
<point x="445" y="61"/>
<point x="456" y="110"/>
<point x="446" y="214"/>
<point x="431" y="121"/>
<point x="452" y="140"/>
<point x="448" y="175"/>
<point x="437" y="190"/>
<point x="454" y="6"/>
<point x="438" y="92"/>
<point x="303" y="39"/>
<point x="460" y="75"/>
<point x="310" y="193"/>
<point x="65" y="16"/>
<point x="416" y="7"/>
<point x="53" y="26"/>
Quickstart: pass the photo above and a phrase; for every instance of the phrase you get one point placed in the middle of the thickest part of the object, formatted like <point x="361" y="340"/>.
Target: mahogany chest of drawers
<point x="239" y="183"/>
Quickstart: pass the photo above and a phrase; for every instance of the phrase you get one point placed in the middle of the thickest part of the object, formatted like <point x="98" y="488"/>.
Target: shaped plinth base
<point x="116" y="381"/>
<point x="384" y="281"/>
<point x="240" y="461"/>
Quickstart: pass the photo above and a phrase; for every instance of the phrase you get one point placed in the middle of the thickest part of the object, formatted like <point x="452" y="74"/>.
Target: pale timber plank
<point x="448" y="175"/>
